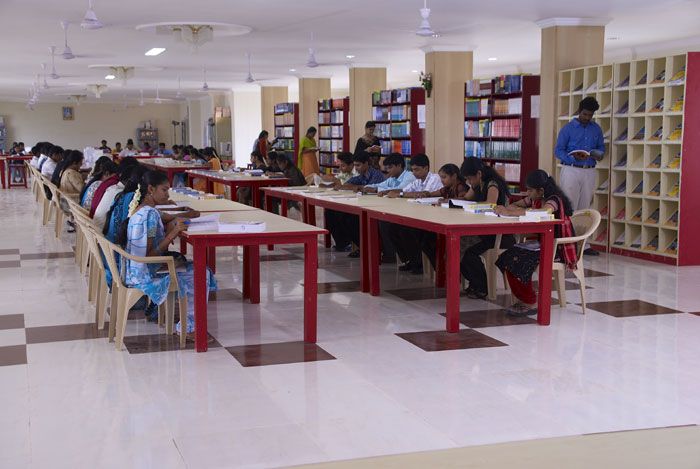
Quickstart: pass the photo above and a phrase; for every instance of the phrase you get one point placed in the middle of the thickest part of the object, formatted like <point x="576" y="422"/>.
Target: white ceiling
<point x="376" y="32"/>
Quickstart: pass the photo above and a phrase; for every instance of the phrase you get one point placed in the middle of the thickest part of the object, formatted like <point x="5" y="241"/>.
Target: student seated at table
<point x="54" y="156"/>
<point x="38" y="154"/>
<point x="410" y="242"/>
<point x="290" y="171"/>
<point x="344" y="227"/>
<point x="243" y="194"/>
<point x="68" y="179"/>
<point x="124" y="171"/>
<point x="117" y="148"/>
<point x="129" y="150"/>
<point x="163" y="151"/>
<point x="94" y="180"/>
<point x="104" y="147"/>
<point x="109" y="178"/>
<point x="519" y="263"/>
<point x="486" y="186"/>
<point x="213" y="163"/>
<point x="144" y="234"/>
<point x="398" y="177"/>
<point x="346" y="170"/>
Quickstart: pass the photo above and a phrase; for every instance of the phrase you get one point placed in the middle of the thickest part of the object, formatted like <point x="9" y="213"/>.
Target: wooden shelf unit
<point x="287" y="129"/>
<point x="333" y="131"/>
<point x="396" y="115"/>
<point x="648" y="186"/>
<point x="487" y="106"/>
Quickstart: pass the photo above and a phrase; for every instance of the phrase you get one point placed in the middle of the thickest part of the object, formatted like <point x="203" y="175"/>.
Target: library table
<point x="278" y="230"/>
<point x="452" y="224"/>
<point x="236" y="180"/>
<point x="6" y="174"/>
<point x="296" y="194"/>
<point x="171" y="167"/>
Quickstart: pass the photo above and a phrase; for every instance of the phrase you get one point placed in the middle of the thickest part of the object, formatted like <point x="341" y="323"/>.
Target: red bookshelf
<point x="287" y="129"/>
<point x="396" y="114"/>
<point x="333" y="131"/>
<point x="498" y="126"/>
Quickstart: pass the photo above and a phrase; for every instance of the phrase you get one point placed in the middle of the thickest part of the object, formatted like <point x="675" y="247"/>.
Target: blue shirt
<point x="373" y="176"/>
<point x="400" y="182"/>
<point x="576" y="136"/>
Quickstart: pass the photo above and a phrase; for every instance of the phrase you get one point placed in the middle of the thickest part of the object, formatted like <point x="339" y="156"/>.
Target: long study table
<point x="236" y="180"/>
<point x="171" y="167"/>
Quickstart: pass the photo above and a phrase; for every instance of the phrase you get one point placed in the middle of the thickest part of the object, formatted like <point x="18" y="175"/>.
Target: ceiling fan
<point x="249" y="78"/>
<point x="90" y="20"/>
<point x="205" y="85"/>
<point x="311" y="61"/>
<point x="424" y="29"/>
<point x="67" y="52"/>
<point x="96" y="89"/>
<point x="53" y="75"/>
<point x="43" y="69"/>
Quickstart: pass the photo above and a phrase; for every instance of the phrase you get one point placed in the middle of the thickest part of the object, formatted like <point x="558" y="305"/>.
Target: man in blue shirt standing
<point x="580" y="145"/>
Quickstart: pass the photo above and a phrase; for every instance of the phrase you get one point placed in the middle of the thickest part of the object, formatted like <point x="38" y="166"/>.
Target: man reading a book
<point x="580" y="146"/>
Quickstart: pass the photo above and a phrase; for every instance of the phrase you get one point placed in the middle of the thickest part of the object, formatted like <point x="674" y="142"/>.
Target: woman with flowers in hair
<point x="148" y="233"/>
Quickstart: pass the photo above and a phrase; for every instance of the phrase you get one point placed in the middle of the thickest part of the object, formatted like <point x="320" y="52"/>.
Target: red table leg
<point x="283" y="207"/>
<point x="452" y="281"/>
<point x="211" y="259"/>
<point x="439" y="261"/>
<point x="544" y="300"/>
<point x="2" y="173"/>
<point x="256" y="195"/>
<point x="311" y="214"/>
<point x="310" y="289"/>
<point x="246" y="272"/>
<point x="210" y="186"/>
<point x="254" y="277"/>
<point x="183" y="247"/>
<point x="268" y="207"/>
<point x="171" y="177"/>
<point x="200" y="297"/>
<point x="374" y="256"/>
<point x="364" y="252"/>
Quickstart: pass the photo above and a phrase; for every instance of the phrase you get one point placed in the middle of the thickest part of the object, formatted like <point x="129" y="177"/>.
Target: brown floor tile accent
<point x="136" y="314"/>
<point x="278" y="354"/>
<point x="12" y="321"/>
<point x="279" y="257"/>
<point x="9" y="252"/>
<point x="697" y="314"/>
<point x="338" y="287"/>
<point x="491" y="318"/>
<point x="421" y="293"/>
<point x="9" y="264"/>
<point x="13" y="355"/>
<point x="630" y="308"/>
<point x="150" y="343"/>
<point x="46" y="334"/>
<point x="46" y="255"/>
<point x="226" y="294"/>
<point x="569" y="285"/>
<point x="590" y="274"/>
<point x="437" y="341"/>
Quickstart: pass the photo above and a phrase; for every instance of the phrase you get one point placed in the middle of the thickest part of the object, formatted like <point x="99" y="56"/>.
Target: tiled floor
<point x="383" y="379"/>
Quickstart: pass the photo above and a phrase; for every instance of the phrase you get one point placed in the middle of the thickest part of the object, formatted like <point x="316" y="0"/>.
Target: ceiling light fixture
<point x="96" y="89"/>
<point x="110" y="77"/>
<point x="154" y="51"/>
<point x="90" y="21"/>
<point x="614" y="38"/>
<point x="292" y="69"/>
<point x="424" y="30"/>
<point x="349" y="56"/>
<point x="414" y="71"/>
<point x="492" y="59"/>
<point x="123" y="73"/>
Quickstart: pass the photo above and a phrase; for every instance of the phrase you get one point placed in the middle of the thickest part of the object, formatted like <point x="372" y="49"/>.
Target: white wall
<point x="246" y="116"/>
<point x="92" y="123"/>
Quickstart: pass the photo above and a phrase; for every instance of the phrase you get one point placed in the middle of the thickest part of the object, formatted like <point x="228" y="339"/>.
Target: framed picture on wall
<point x="67" y="113"/>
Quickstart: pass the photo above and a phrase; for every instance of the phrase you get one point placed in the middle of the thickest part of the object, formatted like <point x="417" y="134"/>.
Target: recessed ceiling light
<point x="414" y="71"/>
<point x="292" y="69"/>
<point x="614" y="38"/>
<point x="155" y="51"/>
<point x="436" y="35"/>
<point x="349" y="56"/>
<point x="492" y="59"/>
<point x="110" y="77"/>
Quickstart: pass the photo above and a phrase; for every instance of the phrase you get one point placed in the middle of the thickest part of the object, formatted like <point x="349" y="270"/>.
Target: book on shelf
<point x="400" y="112"/>
<point x="507" y="106"/>
<point x="658" y="133"/>
<point x="620" y="241"/>
<point x="677" y="105"/>
<point x="473" y="148"/>
<point x="474" y="107"/>
<point x="620" y="215"/>
<point x="481" y="128"/>
<point x="622" y="137"/>
<point x="621" y="188"/>
<point x="604" y="211"/>
<point x="624" y="108"/>
<point x="622" y="162"/>
<point x="642" y="107"/>
<point x="578" y="88"/>
<point x="607" y="85"/>
<point x="658" y="107"/>
<point x="505" y="128"/>
<point x="604" y="186"/>
<point x="660" y="77"/>
<point x="473" y="88"/>
<point x="672" y="247"/>
<point x="652" y="245"/>
<point x="283" y="108"/>
<point x="607" y="109"/>
<point x="624" y="83"/>
<point x="642" y="80"/>
<point x="640" y="134"/>
<point x="672" y="220"/>
<point x="675" y="163"/>
<point x="637" y="243"/>
<point x="509" y="84"/>
<point x="637" y="215"/>
<point x="656" y="162"/>
<point x="677" y="133"/>
<point x="673" y="192"/>
<point x="678" y="78"/>
<point x="592" y="87"/>
<point x="602" y="236"/>
<point x="400" y="129"/>
<point x="639" y="189"/>
<point x="656" y="190"/>
<point x="653" y="219"/>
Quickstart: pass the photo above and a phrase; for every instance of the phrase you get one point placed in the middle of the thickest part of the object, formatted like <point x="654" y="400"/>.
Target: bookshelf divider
<point x="333" y="131"/>
<point x="287" y="129"/>
<point x="395" y="113"/>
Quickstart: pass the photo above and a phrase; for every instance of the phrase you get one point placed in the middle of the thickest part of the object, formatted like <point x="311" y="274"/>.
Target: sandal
<point x="521" y="310"/>
<point x="475" y="294"/>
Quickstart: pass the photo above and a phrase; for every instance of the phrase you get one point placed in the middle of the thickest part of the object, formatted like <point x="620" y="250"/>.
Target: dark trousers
<point x="338" y="226"/>
<point x="411" y="242"/>
<point x="472" y="267"/>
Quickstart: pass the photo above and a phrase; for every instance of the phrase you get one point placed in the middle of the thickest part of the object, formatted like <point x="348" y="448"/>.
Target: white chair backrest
<point x="585" y="222"/>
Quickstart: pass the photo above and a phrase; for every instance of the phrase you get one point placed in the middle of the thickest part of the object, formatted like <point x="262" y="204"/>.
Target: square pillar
<point x="363" y="82"/>
<point x="311" y="91"/>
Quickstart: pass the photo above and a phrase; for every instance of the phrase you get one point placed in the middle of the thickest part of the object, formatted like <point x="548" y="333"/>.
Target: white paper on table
<point x="425" y="200"/>
<point x="182" y="203"/>
<point x="243" y="227"/>
<point x="208" y="218"/>
<point x="201" y="227"/>
<point x="459" y="203"/>
<point x="166" y="207"/>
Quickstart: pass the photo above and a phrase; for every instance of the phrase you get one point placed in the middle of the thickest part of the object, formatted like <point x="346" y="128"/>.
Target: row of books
<point x="474" y="88"/>
<point x="677" y="106"/>
<point x="396" y="146"/>
<point x="509" y="171"/>
<point x="284" y="132"/>
<point x="401" y="129"/>
<point x="330" y="145"/>
<point x="391" y="96"/>
<point x="496" y="150"/>
<point x="285" y="144"/>
<point x="328" y="104"/>
<point x="507" y="106"/>
<point x="327" y="159"/>
<point x="652" y="245"/>
<point x="652" y="219"/>
<point x="677" y="79"/>
<point x="333" y="131"/>
<point x="333" y="117"/>
<point x="655" y="191"/>
<point x="474" y="107"/>
<point x="481" y="128"/>
<point x="505" y="128"/>
<point x="282" y="108"/>
<point x="394" y="113"/>
<point x="380" y="113"/>
<point x="675" y="134"/>
<point x="284" y="119"/>
<point x="593" y="87"/>
<point x="508" y="84"/>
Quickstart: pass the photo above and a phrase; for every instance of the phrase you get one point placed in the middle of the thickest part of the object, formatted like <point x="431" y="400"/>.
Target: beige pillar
<point x="444" y="129"/>
<point x="269" y="96"/>
<point x="311" y="90"/>
<point x="566" y="43"/>
<point x="363" y="82"/>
